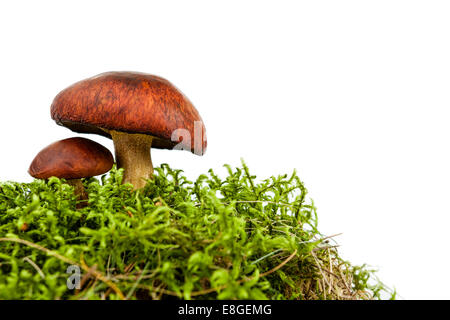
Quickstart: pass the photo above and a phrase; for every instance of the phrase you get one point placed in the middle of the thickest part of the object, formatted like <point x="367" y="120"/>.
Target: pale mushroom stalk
<point x="79" y="191"/>
<point x="133" y="155"/>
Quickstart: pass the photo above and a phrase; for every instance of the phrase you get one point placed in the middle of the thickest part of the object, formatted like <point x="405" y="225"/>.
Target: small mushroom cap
<point x="131" y="102"/>
<point x="72" y="158"/>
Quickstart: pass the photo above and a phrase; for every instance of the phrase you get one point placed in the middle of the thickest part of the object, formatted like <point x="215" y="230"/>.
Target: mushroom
<point x="72" y="159"/>
<point x="138" y="112"/>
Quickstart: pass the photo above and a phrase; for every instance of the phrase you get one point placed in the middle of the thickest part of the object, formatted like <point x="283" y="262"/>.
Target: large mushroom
<point x="72" y="159"/>
<point x="138" y="112"/>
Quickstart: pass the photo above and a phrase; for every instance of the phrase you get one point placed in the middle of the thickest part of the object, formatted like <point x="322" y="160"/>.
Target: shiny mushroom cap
<point x="72" y="158"/>
<point x="131" y="102"/>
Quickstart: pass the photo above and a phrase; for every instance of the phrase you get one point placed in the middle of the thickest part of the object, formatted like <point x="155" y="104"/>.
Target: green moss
<point x="209" y="239"/>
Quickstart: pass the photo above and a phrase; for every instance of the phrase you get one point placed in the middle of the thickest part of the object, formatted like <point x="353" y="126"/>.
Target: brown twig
<point x="97" y="274"/>
<point x="203" y="292"/>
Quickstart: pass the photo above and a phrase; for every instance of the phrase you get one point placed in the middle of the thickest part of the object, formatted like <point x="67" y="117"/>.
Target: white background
<point x="354" y="94"/>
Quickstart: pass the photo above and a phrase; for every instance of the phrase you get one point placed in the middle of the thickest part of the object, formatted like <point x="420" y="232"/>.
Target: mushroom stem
<point x="133" y="155"/>
<point x="79" y="191"/>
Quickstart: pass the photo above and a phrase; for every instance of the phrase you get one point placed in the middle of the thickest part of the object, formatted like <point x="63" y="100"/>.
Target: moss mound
<point x="232" y="238"/>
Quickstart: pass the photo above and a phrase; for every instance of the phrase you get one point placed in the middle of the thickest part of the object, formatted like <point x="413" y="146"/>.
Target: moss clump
<point x="232" y="238"/>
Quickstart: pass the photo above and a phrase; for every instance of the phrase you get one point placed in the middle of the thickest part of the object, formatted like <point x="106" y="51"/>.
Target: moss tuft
<point x="232" y="238"/>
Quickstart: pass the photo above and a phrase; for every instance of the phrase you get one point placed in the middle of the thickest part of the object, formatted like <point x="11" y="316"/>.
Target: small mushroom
<point x="137" y="111"/>
<point x="72" y="159"/>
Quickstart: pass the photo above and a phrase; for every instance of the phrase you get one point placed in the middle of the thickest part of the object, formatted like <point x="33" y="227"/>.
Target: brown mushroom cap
<point x="72" y="158"/>
<point x="129" y="102"/>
